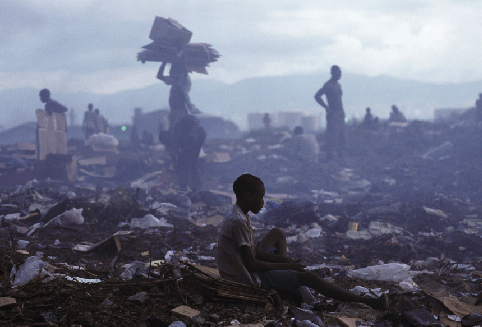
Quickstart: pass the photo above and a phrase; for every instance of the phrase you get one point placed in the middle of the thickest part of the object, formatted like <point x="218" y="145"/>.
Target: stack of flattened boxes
<point x="51" y="133"/>
<point x="170" y="38"/>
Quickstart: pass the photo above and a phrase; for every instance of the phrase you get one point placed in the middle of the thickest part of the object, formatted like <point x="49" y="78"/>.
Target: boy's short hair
<point x="246" y="183"/>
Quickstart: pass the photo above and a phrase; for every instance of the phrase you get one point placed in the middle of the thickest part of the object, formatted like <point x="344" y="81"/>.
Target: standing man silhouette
<point x="335" y="116"/>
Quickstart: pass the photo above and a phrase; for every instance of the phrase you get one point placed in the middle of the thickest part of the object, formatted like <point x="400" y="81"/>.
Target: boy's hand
<point x="296" y="265"/>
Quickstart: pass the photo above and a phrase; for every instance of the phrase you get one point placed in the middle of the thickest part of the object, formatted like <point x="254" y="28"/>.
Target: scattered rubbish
<point x="307" y="323"/>
<point x="22" y="244"/>
<point x="107" y="302"/>
<point x="473" y="319"/>
<point x="141" y="297"/>
<point x="421" y="317"/>
<point x="313" y="233"/>
<point x="454" y="318"/>
<point x="149" y="221"/>
<point x="68" y="218"/>
<point x="374" y="292"/>
<point x="350" y="322"/>
<point x="177" y="324"/>
<point x="185" y="311"/>
<point x="301" y="314"/>
<point x="393" y="272"/>
<point x="415" y="225"/>
<point x="32" y="268"/>
<point x="102" y="142"/>
<point x="132" y="269"/>
<point x="439" y="152"/>
<point x="83" y="280"/>
<point x="378" y="227"/>
<point x="113" y="241"/>
<point x="7" y="302"/>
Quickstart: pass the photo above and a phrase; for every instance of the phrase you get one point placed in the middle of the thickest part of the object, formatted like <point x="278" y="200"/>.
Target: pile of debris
<point x="130" y="250"/>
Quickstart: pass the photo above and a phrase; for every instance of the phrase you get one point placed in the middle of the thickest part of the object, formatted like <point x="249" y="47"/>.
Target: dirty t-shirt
<point x="235" y="232"/>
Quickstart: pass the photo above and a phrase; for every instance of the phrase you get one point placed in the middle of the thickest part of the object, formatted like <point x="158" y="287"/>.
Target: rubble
<point x="395" y="217"/>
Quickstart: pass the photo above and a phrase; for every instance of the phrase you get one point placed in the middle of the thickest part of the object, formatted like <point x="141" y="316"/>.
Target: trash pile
<point x="401" y="215"/>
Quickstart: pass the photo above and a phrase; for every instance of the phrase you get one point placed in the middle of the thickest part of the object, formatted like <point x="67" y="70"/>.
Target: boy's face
<point x="255" y="199"/>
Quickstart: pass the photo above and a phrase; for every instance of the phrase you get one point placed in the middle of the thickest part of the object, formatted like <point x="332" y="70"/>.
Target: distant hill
<point x="267" y="94"/>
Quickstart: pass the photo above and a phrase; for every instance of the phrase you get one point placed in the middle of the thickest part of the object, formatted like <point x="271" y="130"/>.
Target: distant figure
<point x="478" y="108"/>
<point x="305" y="147"/>
<point x="88" y="125"/>
<point x="101" y="125"/>
<point x="335" y="116"/>
<point x="369" y="121"/>
<point x="51" y="105"/>
<point x="396" y="115"/>
<point x="180" y="82"/>
<point x="266" y="121"/>
<point x="51" y="127"/>
<point x="187" y="138"/>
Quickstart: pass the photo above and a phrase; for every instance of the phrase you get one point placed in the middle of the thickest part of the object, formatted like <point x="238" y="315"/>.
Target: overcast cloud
<point x="91" y="45"/>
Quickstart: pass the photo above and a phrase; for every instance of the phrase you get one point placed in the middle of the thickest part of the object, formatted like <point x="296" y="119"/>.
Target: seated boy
<point x="239" y="260"/>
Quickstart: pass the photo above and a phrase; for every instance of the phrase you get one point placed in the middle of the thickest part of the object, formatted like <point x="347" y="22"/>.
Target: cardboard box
<point x="169" y="32"/>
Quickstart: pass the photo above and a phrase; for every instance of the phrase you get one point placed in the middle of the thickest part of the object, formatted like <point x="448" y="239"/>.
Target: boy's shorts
<point x="283" y="280"/>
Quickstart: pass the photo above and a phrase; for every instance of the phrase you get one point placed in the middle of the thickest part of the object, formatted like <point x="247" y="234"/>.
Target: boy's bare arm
<point x="254" y="265"/>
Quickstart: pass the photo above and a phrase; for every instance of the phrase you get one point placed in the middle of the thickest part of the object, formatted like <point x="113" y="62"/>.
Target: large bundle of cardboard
<point x="171" y="40"/>
<point x="51" y="136"/>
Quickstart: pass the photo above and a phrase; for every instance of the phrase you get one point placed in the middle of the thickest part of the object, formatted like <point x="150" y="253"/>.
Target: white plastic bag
<point x="394" y="272"/>
<point x="31" y="268"/>
<point x="149" y="221"/>
<point x="69" y="217"/>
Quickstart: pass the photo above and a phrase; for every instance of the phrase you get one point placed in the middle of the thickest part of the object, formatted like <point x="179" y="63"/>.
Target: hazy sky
<point x="91" y="45"/>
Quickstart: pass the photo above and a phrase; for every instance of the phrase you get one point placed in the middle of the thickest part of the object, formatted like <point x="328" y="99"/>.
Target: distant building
<point x="255" y="121"/>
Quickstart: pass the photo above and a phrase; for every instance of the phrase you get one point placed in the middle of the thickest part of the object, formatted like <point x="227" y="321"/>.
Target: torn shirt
<point x="235" y="232"/>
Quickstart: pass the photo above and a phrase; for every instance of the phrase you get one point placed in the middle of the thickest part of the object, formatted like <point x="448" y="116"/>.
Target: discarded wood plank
<point x="460" y="308"/>
<point x="185" y="311"/>
<point x="7" y="302"/>
<point x="111" y="239"/>
<point x="349" y="322"/>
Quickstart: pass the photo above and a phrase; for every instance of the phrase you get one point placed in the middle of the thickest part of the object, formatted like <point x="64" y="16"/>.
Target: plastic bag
<point x="32" y="268"/>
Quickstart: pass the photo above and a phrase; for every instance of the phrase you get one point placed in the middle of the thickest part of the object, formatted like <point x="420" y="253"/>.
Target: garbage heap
<point x="401" y="216"/>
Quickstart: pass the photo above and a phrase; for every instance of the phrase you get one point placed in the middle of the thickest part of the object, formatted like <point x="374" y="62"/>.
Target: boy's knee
<point x="278" y="233"/>
<point x="307" y="278"/>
